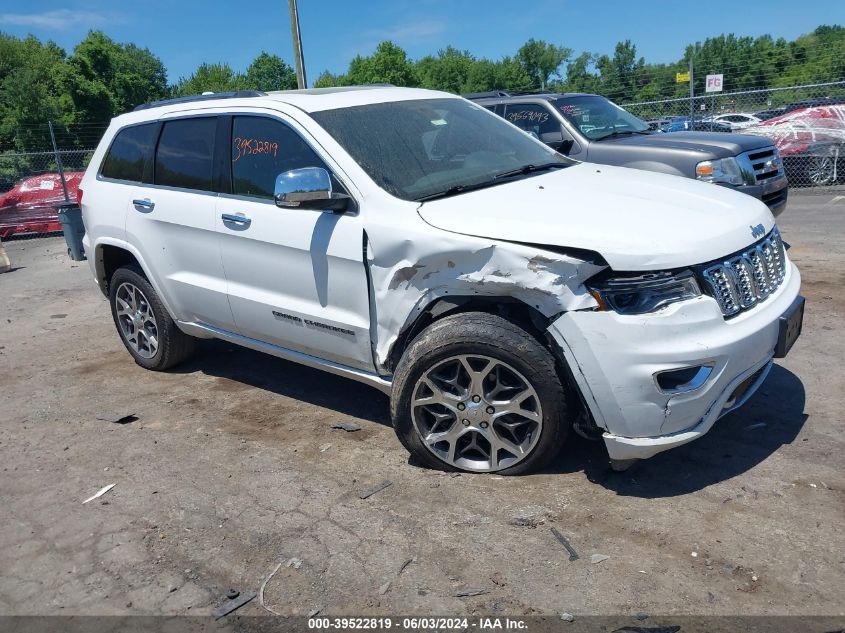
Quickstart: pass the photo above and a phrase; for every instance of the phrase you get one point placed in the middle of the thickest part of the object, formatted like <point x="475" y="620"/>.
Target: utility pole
<point x="296" y="36"/>
<point x="691" y="98"/>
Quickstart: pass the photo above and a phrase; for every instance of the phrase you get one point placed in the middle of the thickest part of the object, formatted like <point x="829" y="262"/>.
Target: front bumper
<point x="614" y="360"/>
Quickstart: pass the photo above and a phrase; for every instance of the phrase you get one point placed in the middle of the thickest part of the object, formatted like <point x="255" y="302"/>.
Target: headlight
<point x="725" y="170"/>
<point x="647" y="293"/>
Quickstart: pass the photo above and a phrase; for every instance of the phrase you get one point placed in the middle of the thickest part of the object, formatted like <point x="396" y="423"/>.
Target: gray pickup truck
<point x="593" y="129"/>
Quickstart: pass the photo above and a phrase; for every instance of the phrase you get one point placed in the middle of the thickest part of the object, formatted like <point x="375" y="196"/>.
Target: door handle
<point x="144" y="203"/>
<point x="239" y="219"/>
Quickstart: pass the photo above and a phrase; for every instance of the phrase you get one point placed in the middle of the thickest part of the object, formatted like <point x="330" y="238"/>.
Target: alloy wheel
<point x="136" y="320"/>
<point x="477" y="413"/>
<point x="820" y="170"/>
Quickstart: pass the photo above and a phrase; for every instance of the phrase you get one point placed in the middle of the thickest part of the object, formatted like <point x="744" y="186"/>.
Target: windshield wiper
<point x="623" y="133"/>
<point x="495" y="180"/>
<point x="527" y="169"/>
<point x="451" y="191"/>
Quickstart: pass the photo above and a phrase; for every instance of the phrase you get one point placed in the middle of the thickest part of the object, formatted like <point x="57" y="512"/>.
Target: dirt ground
<point x="231" y="466"/>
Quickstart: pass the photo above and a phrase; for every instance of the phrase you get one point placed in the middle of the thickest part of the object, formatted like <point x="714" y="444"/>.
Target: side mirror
<point x="308" y="188"/>
<point x="556" y="141"/>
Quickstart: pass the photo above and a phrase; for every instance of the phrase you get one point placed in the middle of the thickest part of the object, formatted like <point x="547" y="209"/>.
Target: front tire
<point x="475" y="392"/>
<point x="144" y="325"/>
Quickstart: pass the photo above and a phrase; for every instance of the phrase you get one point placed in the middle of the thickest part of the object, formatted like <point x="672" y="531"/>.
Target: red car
<point x="30" y="206"/>
<point x="811" y="142"/>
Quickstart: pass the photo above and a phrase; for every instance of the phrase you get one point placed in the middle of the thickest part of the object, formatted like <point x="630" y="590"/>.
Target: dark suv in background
<point x="593" y="129"/>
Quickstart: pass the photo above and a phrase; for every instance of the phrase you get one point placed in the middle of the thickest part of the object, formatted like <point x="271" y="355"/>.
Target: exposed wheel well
<point x="109" y="259"/>
<point x="525" y="316"/>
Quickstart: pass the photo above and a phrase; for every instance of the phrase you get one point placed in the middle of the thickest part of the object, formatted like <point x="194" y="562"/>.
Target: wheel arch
<point x="111" y="255"/>
<point x="107" y="259"/>
<point x="522" y="314"/>
<point x="510" y="308"/>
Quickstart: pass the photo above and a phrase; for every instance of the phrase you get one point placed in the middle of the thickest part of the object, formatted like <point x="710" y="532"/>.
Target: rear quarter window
<point x="131" y="153"/>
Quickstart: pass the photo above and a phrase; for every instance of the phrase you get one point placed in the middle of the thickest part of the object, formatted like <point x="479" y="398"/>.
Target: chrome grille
<point x="764" y="163"/>
<point x="747" y="278"/>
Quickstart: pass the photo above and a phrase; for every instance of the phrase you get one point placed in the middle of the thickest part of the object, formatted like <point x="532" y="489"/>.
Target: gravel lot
<point x="231" y="466"/>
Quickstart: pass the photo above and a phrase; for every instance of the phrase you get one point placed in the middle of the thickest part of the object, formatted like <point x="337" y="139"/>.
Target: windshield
<point x="423" y="148"/>
<point x="598" y="118"/>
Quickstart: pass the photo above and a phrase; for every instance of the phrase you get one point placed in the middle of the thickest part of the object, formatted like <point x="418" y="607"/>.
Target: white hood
<point x="637" y="220"/>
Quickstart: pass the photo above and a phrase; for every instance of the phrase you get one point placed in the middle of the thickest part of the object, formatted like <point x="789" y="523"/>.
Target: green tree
<point x="208" y="78"/>
<point x="268" y="72"/>
<point x="104" y="78"/>
<point x="620" y="75"/>
<point x="510" y="74"/>
<point x="389" y="64"/>
<point x="140" y="77"/>
<point x="30" y="91"/>
<point x="579" y="78"/>
<point x="504" y="74"/>
<point x="542" y="60"/>
<point x="328" y="80"/>
<point x="448" y="70"/>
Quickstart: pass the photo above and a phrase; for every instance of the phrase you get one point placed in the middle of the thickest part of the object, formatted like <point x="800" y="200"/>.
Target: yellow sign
<point x="681" y="78"/>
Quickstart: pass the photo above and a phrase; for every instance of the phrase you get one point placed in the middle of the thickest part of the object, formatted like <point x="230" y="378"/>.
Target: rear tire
<point x="144" y="325"/>
<point x="475" y="392"/>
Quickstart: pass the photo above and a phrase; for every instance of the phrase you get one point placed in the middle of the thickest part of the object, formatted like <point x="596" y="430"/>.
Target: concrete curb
<point x="5" y="264"/>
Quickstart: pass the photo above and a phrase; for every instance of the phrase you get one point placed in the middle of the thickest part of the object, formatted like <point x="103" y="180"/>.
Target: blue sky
<point x="184" y="33"/>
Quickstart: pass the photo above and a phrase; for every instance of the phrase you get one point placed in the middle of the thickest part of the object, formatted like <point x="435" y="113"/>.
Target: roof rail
<point x="513" y="93"/>
<point x="487" y="95"/>
<point x="508" y="93"/>
<point x="203" y="97"/>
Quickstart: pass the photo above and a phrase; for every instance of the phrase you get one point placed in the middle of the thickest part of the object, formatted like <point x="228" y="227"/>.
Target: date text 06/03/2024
<point x="417" y="623"/>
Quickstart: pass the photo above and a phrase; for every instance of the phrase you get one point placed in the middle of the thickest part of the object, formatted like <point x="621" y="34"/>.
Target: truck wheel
<point x="145" y="327"/>
<point x="475" y="392"/>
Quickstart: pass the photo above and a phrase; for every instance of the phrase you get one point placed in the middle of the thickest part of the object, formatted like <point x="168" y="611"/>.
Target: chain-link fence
<point x="806" y="123"/>
<point x="31" y="189"/>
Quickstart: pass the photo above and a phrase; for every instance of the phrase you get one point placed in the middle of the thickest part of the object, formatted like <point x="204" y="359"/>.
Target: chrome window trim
<point x="149" y="185"/>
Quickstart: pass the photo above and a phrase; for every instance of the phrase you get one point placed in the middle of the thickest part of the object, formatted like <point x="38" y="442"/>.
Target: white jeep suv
<point x="500" y="292"/>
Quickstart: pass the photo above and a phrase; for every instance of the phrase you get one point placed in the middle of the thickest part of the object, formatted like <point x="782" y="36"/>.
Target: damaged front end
<point x="411" y="276"/>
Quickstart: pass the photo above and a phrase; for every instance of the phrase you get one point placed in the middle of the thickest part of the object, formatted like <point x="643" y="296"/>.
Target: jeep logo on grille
<point x="757" y="231"/>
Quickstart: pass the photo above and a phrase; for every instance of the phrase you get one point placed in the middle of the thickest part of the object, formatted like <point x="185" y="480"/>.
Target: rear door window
<point x="263" y="148"/>
<point x="185" y="153"/>
<point x="130" y="154"/>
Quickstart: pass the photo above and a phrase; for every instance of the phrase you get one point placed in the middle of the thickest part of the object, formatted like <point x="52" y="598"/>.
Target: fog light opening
<point x="684" y="379"/>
